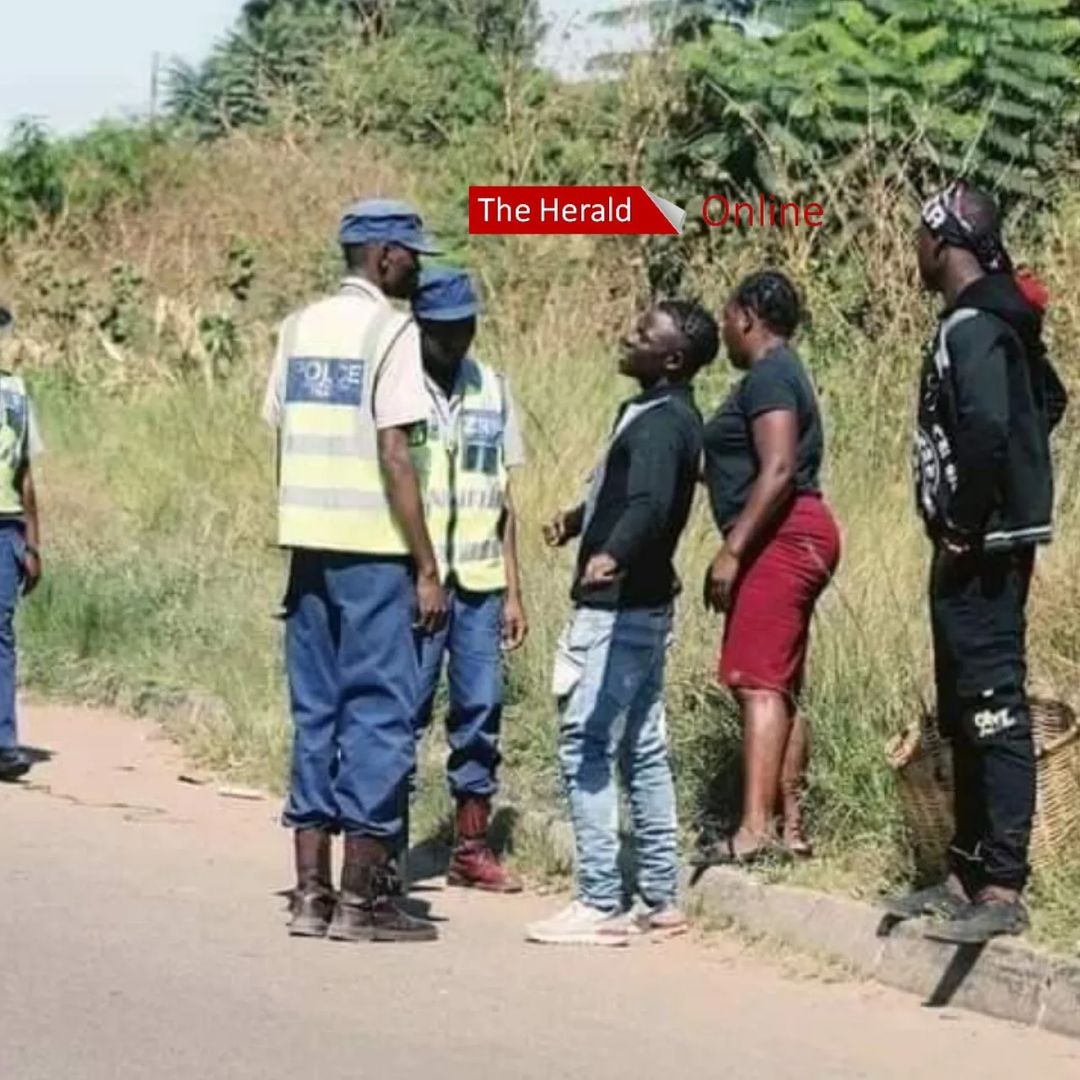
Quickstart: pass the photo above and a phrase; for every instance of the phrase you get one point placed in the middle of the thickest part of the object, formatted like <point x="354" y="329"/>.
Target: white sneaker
<point x="580" y="924"/>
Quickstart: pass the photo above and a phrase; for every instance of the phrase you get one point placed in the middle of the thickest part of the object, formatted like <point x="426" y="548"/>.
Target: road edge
<point x="1007" y="979"/>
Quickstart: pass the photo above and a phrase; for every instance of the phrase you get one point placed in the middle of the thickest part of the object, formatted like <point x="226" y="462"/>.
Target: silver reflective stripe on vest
<point x="468" y="500"/>
<point x="332" y="499"/>
<point x="480" y="551"/>
<point x="326" y="445"/>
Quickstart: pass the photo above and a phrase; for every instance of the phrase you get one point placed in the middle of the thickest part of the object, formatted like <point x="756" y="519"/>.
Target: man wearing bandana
<point x="988" y="400"/>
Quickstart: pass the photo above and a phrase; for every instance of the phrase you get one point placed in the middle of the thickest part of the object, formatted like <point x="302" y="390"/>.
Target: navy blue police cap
<point x="445" y="294"/>
<point x="386" y="221"/>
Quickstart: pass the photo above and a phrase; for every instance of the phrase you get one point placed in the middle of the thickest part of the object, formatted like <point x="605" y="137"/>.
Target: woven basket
<point x="923" y="763"/>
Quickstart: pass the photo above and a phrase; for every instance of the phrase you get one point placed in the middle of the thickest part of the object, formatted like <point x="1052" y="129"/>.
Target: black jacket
<point x="644" y="499"/>
<point x="988" y="400"/>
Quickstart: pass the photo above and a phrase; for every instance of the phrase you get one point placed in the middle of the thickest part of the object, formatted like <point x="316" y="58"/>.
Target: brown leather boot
<point x="313" y="897"/>
<point x="473" y="864"/>
<point x="366" y="909"/>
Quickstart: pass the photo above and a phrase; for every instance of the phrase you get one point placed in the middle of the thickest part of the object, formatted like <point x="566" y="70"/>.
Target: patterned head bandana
<point x="948" y="219"/>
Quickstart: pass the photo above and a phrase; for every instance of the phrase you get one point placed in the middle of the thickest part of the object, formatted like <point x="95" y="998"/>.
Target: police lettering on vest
<point x="466" y="483"/>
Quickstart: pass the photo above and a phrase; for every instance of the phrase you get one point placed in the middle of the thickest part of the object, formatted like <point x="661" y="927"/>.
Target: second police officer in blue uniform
<point x="473" y="444"/>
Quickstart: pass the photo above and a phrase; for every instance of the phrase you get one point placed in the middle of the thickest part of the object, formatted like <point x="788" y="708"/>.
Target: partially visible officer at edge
<point x="20" y="538"/>
<point x="988" y="400"/>
<point x="474" y="442"/>
<point x="347" y="396"/>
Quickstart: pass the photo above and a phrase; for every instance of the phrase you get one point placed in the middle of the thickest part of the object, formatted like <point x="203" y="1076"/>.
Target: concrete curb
<point x="1006" y="978"/>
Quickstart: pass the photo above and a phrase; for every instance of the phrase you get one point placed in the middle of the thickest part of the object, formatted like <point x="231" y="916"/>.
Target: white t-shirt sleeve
<point x="35" y="445"/>
<point x="513" y="443"/>
<point x="400" y="395"/>
<point x="274" y="399"/>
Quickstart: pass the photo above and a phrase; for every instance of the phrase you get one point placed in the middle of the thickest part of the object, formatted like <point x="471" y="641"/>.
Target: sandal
<point x="800" y="849"/>
<point x="723" y="853"/>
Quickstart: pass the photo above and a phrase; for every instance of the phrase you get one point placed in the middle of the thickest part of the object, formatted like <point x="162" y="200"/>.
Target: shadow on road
<point x="952" y="978"/>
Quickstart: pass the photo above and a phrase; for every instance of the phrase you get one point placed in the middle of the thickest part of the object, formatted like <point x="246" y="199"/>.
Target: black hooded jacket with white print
<point x="988" y="400"/>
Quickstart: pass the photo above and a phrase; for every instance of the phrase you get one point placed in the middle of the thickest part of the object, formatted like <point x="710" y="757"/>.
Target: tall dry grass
<point x="162" y="582"/>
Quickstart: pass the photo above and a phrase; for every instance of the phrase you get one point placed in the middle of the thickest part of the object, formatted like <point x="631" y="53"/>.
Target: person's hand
<point x="31" y="571"/>
<point x="558" y="531"/>
<point x="720" y="580"/>
<point x="515" y="625"/>
<point x="955" y="546"/>
<point x="600" y="570"/>
<point x="430" y="602"/>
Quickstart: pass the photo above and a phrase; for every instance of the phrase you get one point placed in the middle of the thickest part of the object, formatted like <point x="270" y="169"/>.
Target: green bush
<point x="424" y="86"/>
<point x="982" y="87"/>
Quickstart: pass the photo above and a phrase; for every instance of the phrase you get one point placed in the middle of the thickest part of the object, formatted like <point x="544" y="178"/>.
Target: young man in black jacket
<point x="609" y="667"/>
<point x="988" y="400"/>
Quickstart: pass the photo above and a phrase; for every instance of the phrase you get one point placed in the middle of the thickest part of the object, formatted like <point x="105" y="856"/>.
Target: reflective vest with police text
<point x="331" y="490"/>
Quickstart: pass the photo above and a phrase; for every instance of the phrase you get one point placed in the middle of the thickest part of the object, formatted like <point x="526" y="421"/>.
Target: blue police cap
<point x="445" y="294"/>
<point x="385" y="221"/>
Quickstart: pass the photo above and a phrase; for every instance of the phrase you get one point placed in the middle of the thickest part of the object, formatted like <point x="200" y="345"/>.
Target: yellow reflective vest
<point x="14" y="433"/>
<point x="331" y="493"/>
<point x="466" y="482"/>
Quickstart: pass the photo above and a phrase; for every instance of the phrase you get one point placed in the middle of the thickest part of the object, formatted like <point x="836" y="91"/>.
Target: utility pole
<point x="155" y="71"/>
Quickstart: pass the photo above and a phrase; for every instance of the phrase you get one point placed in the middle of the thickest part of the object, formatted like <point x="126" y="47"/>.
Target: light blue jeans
<point x="609" y="685"/>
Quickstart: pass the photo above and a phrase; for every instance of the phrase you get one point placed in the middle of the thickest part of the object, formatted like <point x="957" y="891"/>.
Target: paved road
<point x="141" y="937"/>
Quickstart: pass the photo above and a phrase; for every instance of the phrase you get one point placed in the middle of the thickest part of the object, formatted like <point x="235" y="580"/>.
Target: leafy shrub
<point x="982" y="87"/>
<point x="31" y="183"/>
<point x="422" y="86"/>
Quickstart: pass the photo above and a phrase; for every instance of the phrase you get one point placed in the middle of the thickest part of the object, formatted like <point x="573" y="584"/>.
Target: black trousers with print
<point x="977" y="606"/>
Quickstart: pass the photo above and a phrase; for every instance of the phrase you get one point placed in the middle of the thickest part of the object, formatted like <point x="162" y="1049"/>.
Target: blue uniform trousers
<point x="12" y="553"/>
<point x="353" y="667"/>
<point x="470" y="644"/>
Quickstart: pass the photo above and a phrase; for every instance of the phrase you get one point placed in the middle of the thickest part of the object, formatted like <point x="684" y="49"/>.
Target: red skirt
<point x="768" y="625"/>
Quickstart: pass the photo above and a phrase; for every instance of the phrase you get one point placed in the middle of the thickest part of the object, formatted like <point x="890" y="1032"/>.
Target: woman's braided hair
<point x="772" y="297"/>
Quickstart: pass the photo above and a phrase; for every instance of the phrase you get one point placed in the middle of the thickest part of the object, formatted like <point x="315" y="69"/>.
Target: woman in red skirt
<point x="763" y="455"/>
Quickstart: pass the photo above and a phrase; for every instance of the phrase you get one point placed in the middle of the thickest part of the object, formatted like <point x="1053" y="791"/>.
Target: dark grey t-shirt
<point x="776" y="381"/>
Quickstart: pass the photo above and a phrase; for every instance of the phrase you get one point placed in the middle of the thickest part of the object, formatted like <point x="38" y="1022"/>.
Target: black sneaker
<point x="981" y="921"/>
<point x="13" y="765"/>
<point x="937" y="900"/>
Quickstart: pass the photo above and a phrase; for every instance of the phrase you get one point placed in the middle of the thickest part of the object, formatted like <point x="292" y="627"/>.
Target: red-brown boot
<point x="474" y="865"/>
<point x="313" y="898"/>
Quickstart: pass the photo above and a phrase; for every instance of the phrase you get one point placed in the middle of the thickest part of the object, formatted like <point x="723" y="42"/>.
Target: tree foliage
<point x="982" y="87"/>
<point x="42" y="180"/>
<point x="274" y="47"/>
<point x="286" y="46"/>
<point x="30" y="182"/>
<point x="425" y="86"/>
